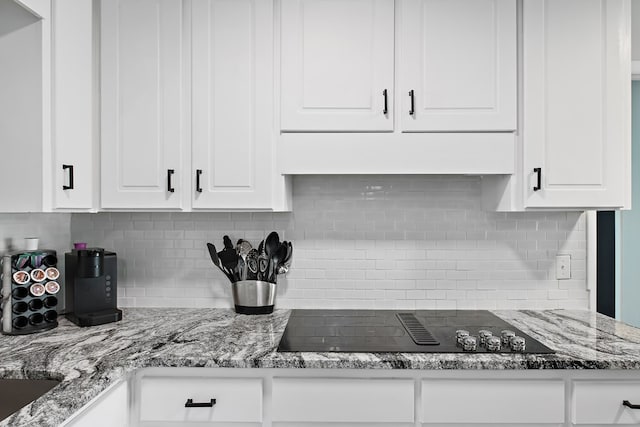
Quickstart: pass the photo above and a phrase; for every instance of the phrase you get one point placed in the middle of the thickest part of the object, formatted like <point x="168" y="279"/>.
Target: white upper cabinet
<point x="337" y="67"/>
<point x="73" y="112"/>
<point x="457" y="65"/>
<point x="576" y="103"/>
<point x="455" y="60"/>
<point x="25" y="108"/>
<point x="232" y="124"/>
<point x="142" y="107"/>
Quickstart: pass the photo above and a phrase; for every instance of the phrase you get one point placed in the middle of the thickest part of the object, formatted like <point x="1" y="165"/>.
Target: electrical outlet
<point x="563" y="267"/>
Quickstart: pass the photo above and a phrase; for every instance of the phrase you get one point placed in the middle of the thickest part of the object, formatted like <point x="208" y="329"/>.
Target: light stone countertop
<point x="88" y="360"/>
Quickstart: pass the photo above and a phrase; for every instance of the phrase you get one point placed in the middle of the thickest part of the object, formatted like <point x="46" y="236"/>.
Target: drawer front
<point x="493" y="401"/>
<point x="343" y="400"/>
<point x="600" y="402"/>
<point x="237" y="399"/>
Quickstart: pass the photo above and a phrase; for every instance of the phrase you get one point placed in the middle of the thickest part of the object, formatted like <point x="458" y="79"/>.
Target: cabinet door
<point x="458" y="65"/>
<point x="337" y="65"/>
<point x="343" y="400"/>
<point x="237" y="400"/>
<point x="142" y="138"/>
<point x="110" y="408"/>
<point x="469" y="401"/>
<point x="232" y="48"/>
<point x="600" y="402"/>
<point x="72" y="57"/>
<point x="576" y="103"/>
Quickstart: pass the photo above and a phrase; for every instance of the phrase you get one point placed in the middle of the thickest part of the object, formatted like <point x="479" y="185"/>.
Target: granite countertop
<point x="87" y="360"/>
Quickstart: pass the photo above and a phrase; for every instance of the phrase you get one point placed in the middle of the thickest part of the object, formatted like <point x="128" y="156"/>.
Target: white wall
<point x="360" y="241"/>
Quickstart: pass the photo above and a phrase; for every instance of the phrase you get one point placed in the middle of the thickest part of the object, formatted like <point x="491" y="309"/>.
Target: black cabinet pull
<point x="412" y="111"/>
<point x="630" y="405"/>
<point x="386" y="107"/>
<point x="170" y="173"/>
<point x="70" y="186"/>
<point x="198" y="187"/>
<point x="208" y="404"/>
<point x="538" y="186"/>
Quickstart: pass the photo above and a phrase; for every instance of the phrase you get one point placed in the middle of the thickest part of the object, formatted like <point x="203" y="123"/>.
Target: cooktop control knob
<point x="518" y="344"/>
<point x="506" y="337"/>
<point x="460" y="334"/>
<point x="493" y="344"/>
<point x="484" y="334"/>
<point x="469" y="343"/>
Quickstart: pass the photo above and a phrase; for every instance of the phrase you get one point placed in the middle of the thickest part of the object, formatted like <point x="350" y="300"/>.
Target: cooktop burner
<point x="382" y="331"/>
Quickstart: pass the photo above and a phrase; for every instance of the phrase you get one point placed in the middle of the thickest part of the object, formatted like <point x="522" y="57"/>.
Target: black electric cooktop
<point x="381" y="331"/>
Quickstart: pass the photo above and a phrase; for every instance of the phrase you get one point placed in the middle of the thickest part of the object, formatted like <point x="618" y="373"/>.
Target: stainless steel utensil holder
<point x="253" y="296"/>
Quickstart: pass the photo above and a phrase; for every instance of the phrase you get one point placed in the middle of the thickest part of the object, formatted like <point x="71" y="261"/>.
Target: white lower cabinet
<point x="110" y="408"/>
<point x="492" y="401"/>
<point x="200" y="399"/>
<point x="601" y="402"/>
<point x="343" y="400"/>
<point x="230" y="397"/>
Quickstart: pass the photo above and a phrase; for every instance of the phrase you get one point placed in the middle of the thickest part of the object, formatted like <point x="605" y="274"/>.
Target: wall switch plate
<point x="563" y="267"/>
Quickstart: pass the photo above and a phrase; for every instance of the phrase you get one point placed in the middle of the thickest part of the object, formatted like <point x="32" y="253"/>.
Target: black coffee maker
<point x="91" y="287"/>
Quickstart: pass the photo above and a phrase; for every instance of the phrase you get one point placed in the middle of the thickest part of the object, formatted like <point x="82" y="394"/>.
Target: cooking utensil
<point x="243" y="247"/>
<point x="229" y="258"/>
<point x="274" y="263"/>
<point x="216" y="260"/>
<point x="263" y="262"/>
<point x="213" y="253"/>
<point x="286" y="263"/>
<point x="227" y="242"/>
<point x="252" y="264"/>
<point x="271" y="244"/>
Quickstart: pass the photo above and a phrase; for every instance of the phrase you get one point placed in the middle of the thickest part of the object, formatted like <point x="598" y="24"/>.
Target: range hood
<point x="396" y="153"/>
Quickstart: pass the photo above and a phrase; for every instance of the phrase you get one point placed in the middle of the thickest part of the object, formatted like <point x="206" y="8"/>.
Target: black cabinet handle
<point x="70" y="186"/>
<point x="412" y="111"/>
<point x="170" y="173"/>
<point x="538" y="186"/>
<point x="198" y="187"/>
<point x="386" y="107"/>
<point x="630" y="405"/>
<point x="208" y="404"/>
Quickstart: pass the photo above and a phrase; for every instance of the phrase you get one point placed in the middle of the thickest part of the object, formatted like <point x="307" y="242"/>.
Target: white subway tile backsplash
<point x="412" y="242"/>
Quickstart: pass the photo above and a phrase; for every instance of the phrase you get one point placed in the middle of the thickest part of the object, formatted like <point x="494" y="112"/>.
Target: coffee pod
<point x="37" y="290"/>
<point x="52" y="287"/>
<point x="52" y="273"/>
<point x="21" y="277"/>
<point x="38" y="275"/>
